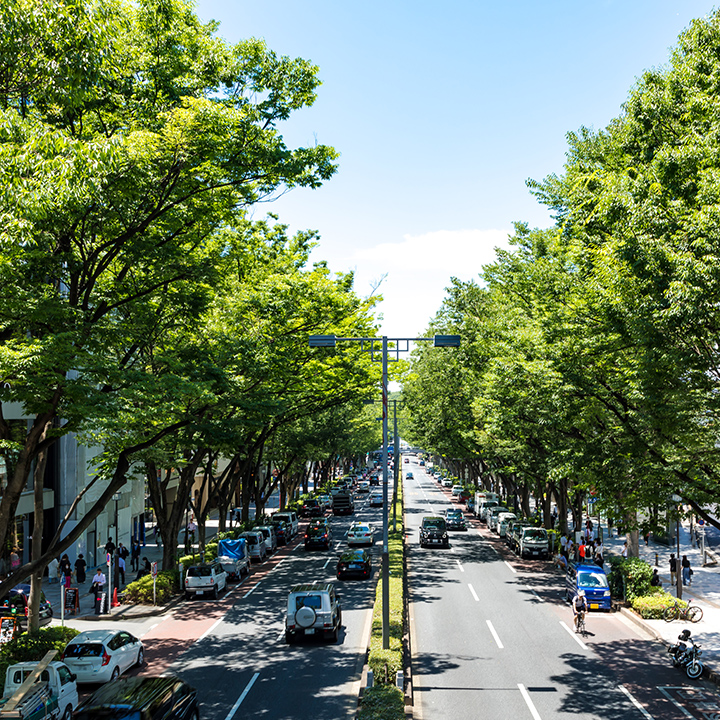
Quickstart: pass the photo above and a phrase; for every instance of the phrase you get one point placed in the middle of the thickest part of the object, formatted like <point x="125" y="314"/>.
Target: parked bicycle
<point x="676" y="612"/>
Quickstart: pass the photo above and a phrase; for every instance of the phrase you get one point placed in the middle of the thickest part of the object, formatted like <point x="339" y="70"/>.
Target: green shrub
<point x="30" y="648"/>
<point x="652" y="606"/>
<point x="632" y="574"/>
<point x="382" y="702"/>
<point x="141" y="591"/>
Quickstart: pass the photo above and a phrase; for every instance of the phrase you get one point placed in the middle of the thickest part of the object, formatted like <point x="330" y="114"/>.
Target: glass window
<point x="593" y="580"/>
<point x="313" y="601"/>
<point x="64" y="674"/>
<point x="77" y="650"/>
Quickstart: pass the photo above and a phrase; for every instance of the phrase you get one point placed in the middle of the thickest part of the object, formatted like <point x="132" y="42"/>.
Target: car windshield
<point x="78" y="650"/>
<point x="199" y="572"/>
<point x="316" y="530"/>
<point x="438" y="523"/>
<point x="535" y="535"/>
<point x="592" y="579"/>
<point x="454" y="513"/>
<point x="313" y="601"/>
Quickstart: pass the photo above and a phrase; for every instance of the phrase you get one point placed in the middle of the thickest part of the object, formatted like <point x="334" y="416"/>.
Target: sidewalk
<point x="703" y="592"/>
<point x="151" y="551"/>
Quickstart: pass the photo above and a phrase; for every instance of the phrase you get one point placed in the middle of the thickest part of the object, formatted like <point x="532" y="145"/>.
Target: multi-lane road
<point x="492" y="637"/>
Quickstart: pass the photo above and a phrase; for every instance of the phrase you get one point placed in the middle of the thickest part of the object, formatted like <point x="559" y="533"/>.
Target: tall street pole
<point x="385" y="547"/>
<point x="396" y="469"/>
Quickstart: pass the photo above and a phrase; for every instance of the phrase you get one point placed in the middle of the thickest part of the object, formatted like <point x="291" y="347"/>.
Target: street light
<point x="116" y="498"/>
<point x="370" y="345"/>
<point x="678" y="566"/>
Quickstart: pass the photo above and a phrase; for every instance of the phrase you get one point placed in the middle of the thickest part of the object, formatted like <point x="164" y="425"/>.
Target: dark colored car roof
<point x="132" y="692"/>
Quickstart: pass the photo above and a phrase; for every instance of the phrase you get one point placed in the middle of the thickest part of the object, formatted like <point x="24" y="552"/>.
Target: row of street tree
<point x="142" y="308"/>
<point x="590" y="351"/>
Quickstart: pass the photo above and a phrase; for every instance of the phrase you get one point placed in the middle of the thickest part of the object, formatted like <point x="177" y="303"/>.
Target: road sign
<point x="109" y="559"/>
<point x="153" y="569"/>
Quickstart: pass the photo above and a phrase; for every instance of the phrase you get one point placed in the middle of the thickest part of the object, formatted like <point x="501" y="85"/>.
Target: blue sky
<point x="441" y="112"/>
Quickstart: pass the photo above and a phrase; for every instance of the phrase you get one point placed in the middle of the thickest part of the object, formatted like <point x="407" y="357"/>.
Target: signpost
<point x="109" y="596"/>
<point x="154" y="572"/>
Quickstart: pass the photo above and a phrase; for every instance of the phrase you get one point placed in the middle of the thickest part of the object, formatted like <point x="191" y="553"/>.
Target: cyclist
<point x="579" y="606"/>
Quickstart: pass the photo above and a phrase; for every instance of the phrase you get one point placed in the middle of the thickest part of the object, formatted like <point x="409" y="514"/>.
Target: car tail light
<point x="105" y="658"/>
<point x="26" y="611"/>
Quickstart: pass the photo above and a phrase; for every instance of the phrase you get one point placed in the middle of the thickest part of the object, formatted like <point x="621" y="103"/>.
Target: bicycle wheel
<point x="671" y="613"/>
<point x="694" y="613"/>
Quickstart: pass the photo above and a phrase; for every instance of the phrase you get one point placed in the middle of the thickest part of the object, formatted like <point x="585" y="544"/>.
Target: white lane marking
<point x="574" y="636"/>
<point x="674" y="701"/>
<point x="251" y="590"/>
<point x="237" y="704"/>
<point x="529" y="589"/>
<point x="623" y="689"/>
<point x="462" y="569"/>
<point x="494" y="634"/>
<point x="210" y="629"/>
<point x="295" y="548"/>
<point x="150" y="629"/>
<point x="474" y="594"/>
<point x="529" y="702"/>
<point x="327" y="562"/>
<point x="510" y="566"/>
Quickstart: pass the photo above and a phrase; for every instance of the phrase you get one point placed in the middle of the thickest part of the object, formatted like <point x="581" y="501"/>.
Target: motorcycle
<point x="687" y="657"/>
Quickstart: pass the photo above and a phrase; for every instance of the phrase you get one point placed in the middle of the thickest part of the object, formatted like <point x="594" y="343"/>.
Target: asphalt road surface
<point x="492" y="638"/>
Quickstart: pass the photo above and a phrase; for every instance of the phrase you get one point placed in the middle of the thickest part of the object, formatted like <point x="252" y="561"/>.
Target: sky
<point x="441" y="112"/>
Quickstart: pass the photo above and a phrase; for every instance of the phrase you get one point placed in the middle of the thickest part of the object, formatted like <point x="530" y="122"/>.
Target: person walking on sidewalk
<point x="686" y="571"/>
<point x="53" y="571"/>
<point x="121" y="567"/>
<point x="673" y="570"/>
<point x="135" y="556"/>
<point x="80" y="566"/>
<point x="599" y="560"/>
<point x="97" y="588"/>
<point x="66" y="569"/>
<point x="624" y="551"/>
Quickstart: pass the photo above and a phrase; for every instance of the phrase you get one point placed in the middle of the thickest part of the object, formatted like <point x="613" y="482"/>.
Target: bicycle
<point x="675" y="612"/>
<point x="580" y="623"/>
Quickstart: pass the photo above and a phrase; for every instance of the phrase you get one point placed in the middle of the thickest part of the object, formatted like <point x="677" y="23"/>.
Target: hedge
<point x="141" y="591"/>
<point x="629" y="578"/>
<point x="382" y="702"/>
<point x="652" y="607"/>
<point x="31" y="648"/>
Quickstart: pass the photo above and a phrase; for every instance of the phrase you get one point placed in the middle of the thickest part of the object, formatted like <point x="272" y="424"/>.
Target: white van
<point x="291" y="518"/>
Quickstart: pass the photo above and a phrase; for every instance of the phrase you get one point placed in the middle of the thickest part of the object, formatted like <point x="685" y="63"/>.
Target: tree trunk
<point x="37" y="536"/>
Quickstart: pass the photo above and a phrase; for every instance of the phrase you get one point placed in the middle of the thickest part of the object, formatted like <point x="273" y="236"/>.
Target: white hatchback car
<point x="376" y="499"/>
<point x="361" y="533"/>
<point x="98" y="656"/>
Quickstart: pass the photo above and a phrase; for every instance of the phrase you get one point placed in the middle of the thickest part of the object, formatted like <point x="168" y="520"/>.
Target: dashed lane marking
<point x="493" y="632"/>
<point x="474" y="594"/>
<point x="462" y="569"/>
<point x="623" y="689"/>
<point x="574" y="636"/>
<point x="239" y="701"/>
<point x="510" y="566"/>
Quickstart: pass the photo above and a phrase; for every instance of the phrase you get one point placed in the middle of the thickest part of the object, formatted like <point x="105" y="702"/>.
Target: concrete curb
<point x="126" y="612"/>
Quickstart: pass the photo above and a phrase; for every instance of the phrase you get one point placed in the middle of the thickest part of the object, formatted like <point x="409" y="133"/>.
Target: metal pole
<point x="678" y="564"/>
<point x="385" y="549"/>
<point x="396" y="471"/>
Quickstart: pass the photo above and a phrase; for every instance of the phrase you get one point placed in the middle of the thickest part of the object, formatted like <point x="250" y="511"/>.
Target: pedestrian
<point x="686" y="571"/>
<point x="624" y="551"/>
<point x="158" y="535"/>
<point x="135" y="556"/>
<point x="121" y="567"/>
<point x="97" y="588"/>
<point x="53" y="569"/>
<point x="80" y="566"/>
<point x="563" y="546"/>
<point x="673" y="570"/>
<point x="146" y="565"/>
<point x="14" y="560"/>
<point x="109" y="546"/>
<point x="599" y="560"/>
<point x="582" y="549"/>
<point x="570" y="549"/>
<point x="66" y="570"/>
<point x="191" y="528"/>
<point x="655" y="579"/>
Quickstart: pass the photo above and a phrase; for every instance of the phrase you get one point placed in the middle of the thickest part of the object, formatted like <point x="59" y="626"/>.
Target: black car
<point x="354" y="563"/>
<point x="433" y="531"/>
<point x="282" y="531"/>
<point x="374" y="480"/>
<point x="15" y="604"/>
<point x="311" y="508"/>
<point x="455" y="520"/>
<point x="318" y="536"/>
<point x="141" y="698"/>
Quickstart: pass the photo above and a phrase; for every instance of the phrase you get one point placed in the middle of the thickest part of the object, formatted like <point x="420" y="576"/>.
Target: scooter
<point x="687" y="657"/>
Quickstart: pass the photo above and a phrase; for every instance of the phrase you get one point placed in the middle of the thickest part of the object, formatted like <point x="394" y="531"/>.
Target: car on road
<point x="492" y="515"/>
<point x="271" y="543"/>
<point x="422" y="463"/>
<point x="256" y="545"/>
<point x="363" y="486"/>
<point x="311" y="508"/>
<point x="325" y="501"/>
<point x="407" y="460"/>
<point x="99" y="656"/>
<point x="203" y="580"/>
<point x="593" y="580"/>
<point x="361" y="533"/>
<point x="313" y="610"/>
<point x="433" y="531"/>
<point x="532" y="542"/>
<point x="354" y="563"/>
<point x="457" y="490"/>
<point x="291" y="518"/>
<point x="142" y="698"/>
<point x="376" y="499"/>
<point x="282" y="531"/>
<point x="409" y="476"/>
<point x="455" y="520"/>
<point x="447" y="482"/>
<point x="374" y="480"/>
<point x="318" y="536"/>
<point x="15" y="604"/>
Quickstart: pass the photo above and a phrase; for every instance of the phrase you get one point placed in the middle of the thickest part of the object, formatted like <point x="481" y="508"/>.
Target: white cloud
<point x="418" y="270"/>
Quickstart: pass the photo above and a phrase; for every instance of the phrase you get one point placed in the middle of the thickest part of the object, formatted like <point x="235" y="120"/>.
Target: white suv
<point x="205" y="580"/>
<point x="313" y="610"/>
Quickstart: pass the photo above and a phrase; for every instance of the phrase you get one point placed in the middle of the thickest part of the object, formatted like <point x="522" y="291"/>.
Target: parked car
<point x="15" y="604"/>
<point x="447" y="482"/>
<point x="282" y="531"/>
<point x="291" y="518"/>
<point x="455" y="520"/>
<point x="592" y="580"/>
<point x="271" y="543"/>
<point x="374" y="480"/>
<point x="98" y="656"/>
<point x="433" y="531"/>
<point x="514" y="532"/>
<point x="318" y="536"/>
<point x="311" y="508"/>
<point x="56" y="686"/>
<point x="492" y="515"/>
<point x="502" y="522"/>
<point x="457" y="490"/>
<point x="234" y="557"/>
<point x="313" y="610"/>
<point x="376" y="499"/>
<point x="142" y="698"/>
<point x="256" y="545"/>
<point x="486" y="507"/>
<point x="354" y="563"/>
<point x="325" y="501"/>
<point x="207" y="579"/>
<point x="361" y="533"/>
<point x="532" y="542"/>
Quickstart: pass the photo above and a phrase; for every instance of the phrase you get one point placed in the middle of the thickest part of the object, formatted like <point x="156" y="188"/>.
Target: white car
<point x="502" y="522"/>
<point x="361" y="533"/>
<point x="324" y="501"/>
<point x="447" y="482"/>
<point x="456" y="490"/>
<point x="376" y="499"/>
<point x="363" y="486"/>
<point x="98" y="656"/>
